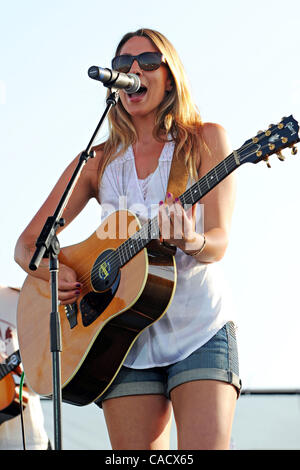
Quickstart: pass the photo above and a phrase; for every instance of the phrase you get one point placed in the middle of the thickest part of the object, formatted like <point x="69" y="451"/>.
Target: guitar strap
<point x="177" y="182"/>
<point x="178" y="177"/>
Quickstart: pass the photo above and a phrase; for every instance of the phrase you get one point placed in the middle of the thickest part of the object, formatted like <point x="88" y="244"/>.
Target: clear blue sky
<point x="242" y="59"/>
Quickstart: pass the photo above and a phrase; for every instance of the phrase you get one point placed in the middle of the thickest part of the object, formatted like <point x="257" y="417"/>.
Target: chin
<point x="137" y="109"/>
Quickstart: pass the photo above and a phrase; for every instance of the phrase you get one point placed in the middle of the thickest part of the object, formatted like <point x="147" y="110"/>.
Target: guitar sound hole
<point x="104" y="271"/>
<point x="94" y="303"/>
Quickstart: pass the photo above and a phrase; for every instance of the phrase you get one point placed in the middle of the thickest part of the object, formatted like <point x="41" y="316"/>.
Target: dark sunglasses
<point x="147" y="61"/>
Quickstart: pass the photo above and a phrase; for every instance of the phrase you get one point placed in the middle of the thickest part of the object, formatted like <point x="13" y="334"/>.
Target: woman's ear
<point x="169" y="84"/>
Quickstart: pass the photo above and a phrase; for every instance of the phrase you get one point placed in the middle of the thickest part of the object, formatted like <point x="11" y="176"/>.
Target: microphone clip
<point x="113" y="97"/>
<point x="110" y="83"/>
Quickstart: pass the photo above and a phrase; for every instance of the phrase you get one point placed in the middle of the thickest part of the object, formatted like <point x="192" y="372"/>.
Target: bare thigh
<point x="138" y="422"/>
<point x="204" y="412"/>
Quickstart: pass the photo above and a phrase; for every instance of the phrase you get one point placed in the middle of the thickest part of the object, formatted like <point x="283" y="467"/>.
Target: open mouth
<point x="139" y="94"/>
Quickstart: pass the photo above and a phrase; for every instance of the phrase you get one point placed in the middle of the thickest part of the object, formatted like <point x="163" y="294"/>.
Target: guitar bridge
<point x="71" y="311"/>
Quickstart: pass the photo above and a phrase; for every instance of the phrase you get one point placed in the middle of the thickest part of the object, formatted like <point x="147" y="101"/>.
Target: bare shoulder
<point x="214" y="134"/>
<point x="216" y="144"/>
<point x="91" y="169"/>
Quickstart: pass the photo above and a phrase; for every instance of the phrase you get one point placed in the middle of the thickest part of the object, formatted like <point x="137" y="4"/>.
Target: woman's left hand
<point x="177" y="226"/>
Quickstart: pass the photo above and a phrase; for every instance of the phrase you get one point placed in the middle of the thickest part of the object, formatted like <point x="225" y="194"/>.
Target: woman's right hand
<point x="69" y="287"/>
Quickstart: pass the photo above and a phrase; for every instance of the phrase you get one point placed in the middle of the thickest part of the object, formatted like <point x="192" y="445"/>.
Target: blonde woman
<point x="186" y="361"/>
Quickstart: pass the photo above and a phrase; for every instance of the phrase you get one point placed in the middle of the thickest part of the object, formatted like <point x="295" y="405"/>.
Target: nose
<point x="135" y="68"/>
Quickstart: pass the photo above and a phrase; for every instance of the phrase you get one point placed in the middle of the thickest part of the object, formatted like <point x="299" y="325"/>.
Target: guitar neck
<point x="199" y="189"/>
<point x="10" y="364"/>
<point x="150" y="230"/>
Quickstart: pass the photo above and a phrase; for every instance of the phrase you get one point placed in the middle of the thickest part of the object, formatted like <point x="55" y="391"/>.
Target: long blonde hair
<point x="177" y="114"/>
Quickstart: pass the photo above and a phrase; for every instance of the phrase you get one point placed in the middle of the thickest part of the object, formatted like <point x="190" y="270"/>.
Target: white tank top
<point x="200" y="306"/>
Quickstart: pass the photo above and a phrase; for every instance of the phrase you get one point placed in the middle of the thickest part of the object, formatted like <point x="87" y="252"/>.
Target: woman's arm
<point x="85" y="189"/>
<point x="218" y="205"/>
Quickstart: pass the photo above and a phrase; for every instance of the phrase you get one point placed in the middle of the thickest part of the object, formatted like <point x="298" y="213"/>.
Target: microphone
<point x="111" y="78"/>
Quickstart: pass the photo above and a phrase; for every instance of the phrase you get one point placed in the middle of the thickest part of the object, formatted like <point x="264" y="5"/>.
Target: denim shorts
<point x="215" y="360"/>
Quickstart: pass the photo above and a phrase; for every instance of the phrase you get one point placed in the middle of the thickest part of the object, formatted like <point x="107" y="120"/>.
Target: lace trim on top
<point x="144" y="185"/>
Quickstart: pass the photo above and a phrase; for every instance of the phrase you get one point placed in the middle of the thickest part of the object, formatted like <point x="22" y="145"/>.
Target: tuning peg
<point x="267" y="162"/>
<point x="280" y="156"/>
<point x="294" y="150"/>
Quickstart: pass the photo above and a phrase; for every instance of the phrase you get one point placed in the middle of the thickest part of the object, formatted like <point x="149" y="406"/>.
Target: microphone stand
<point x="47" y="246"/>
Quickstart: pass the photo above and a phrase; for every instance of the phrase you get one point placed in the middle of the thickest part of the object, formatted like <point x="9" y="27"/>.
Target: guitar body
<point x="9" y="393"/>
<point x="126" y="288"/>
<point x="100" y="328"/>
<point x="9" y="399"/>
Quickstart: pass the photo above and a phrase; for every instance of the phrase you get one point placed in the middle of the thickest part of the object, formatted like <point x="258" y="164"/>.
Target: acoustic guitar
<point x="128" y="284"/>
<point x="9" y="390"/>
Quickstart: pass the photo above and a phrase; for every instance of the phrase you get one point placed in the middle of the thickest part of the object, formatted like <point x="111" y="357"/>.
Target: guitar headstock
<point x="265" y="143"/>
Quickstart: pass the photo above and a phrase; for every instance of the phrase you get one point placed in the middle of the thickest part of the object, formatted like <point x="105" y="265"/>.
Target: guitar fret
<point x="123" y="253"/>
<point x="225" y="166"/>
<point x="182" y="198"/>
<point x="207" y="182"/>
<point x="154" y="233"/>
<point x="232" y="161"/>
<point x="216" y="174"/>
<point x="119" y="251"/>
<point x="150" y="230"/>
<point x="129" y="247"/>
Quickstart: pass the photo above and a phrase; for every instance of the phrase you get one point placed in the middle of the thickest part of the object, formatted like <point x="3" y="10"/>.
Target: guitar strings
<point x="112" y="256"/>
<point x="122" y="250"/>
<point x="204" y="183"/>
<point x="144" y="230"/>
